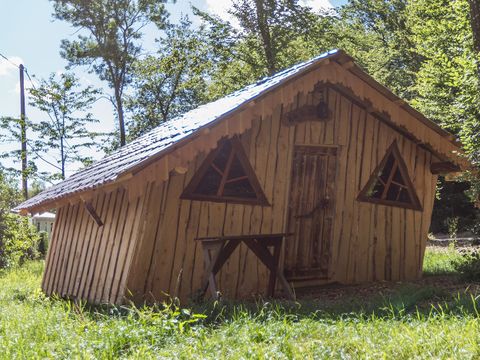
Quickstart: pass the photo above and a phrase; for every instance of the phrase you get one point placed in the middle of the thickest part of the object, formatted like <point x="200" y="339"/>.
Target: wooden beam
<point x="304" y="113"/>
<point x="91" y="211"/>
<point x="443" y="167"/>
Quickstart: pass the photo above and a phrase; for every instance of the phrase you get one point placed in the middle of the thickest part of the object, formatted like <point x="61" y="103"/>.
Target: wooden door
<point x="311" y="210"/>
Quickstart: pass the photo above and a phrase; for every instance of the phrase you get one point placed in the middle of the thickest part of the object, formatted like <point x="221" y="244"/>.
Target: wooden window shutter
<point x="390" y="183"/>
<point x="226" y="176"/>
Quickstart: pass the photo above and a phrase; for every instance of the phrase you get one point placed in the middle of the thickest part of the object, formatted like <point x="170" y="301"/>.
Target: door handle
<point x="322" y="205"/>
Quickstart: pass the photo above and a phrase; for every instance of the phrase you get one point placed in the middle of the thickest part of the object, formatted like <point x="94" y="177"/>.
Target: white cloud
<point x="6" y="67"/>
<point x="220" y="7"/>
<point x="28" y="85"/>
<point x="318" y="4"/>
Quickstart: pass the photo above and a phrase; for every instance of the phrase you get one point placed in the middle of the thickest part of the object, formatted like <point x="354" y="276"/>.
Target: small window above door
<point x="226" y="176"/>
<point x="390" y="183"/>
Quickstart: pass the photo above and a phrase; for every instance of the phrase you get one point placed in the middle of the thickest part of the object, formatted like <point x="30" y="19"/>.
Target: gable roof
<point x="163" y="138"/>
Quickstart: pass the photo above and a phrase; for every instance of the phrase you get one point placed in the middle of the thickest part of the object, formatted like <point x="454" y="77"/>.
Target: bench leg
<point x="271" y="262"/>
<point x="210" y="260"/>
<point x="273" y="269"/>
<point x="214" y="262"/>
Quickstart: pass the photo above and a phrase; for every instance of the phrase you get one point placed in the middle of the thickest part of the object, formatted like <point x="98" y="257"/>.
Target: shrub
<point x="468" y="266"/>
<point x="18" y="240"/>
<point x="43" y="244"/>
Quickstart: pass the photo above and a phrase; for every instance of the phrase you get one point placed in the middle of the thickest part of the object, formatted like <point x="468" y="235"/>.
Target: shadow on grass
<point x="397" y="302"/>
<point x="406" y="301"/>
<point x="401" y="301"/>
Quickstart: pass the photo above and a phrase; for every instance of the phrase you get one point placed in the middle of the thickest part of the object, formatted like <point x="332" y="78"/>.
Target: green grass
<point x="411" y="321"/>
<point x="439" y="260"/>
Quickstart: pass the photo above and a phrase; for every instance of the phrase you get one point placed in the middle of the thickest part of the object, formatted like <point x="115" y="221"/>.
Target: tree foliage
<point x="379" y="35"/>
<point x="109" y="39"/>
<point x="64" y="132"/>
<point x="11" y="135"/>
<point x="172" y="81"/>
<point x="270" y="36"/>
<point x="18" y="238"/>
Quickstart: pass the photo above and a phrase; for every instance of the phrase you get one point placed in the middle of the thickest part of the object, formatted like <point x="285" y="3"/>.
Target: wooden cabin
<point x="320" y="151"/>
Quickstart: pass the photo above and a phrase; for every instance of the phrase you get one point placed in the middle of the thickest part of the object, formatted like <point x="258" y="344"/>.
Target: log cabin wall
<point x="170" y="261"/>
<point x="88" y="261"/>
<point x="146" y="247"/>
<point x="369" y="242"/>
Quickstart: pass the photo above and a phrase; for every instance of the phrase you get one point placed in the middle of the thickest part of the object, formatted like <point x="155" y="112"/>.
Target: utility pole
<point x="23" y="133"/>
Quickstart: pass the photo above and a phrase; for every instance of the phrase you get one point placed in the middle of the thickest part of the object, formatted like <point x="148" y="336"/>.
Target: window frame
<point x="415" y="202"/>
<point x="189" y="193"/>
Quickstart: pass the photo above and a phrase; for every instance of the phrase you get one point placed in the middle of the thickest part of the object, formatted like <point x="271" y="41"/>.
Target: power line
<point x="11" y="62"/>
<point x="49" y="115"/>
<point x="70" y="148"/>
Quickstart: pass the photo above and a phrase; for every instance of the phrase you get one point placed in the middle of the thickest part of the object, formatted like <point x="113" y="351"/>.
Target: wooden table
<point x="217" y="250"/>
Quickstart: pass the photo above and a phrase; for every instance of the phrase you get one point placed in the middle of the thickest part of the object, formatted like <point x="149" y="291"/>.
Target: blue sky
<point x="29" y="35"/>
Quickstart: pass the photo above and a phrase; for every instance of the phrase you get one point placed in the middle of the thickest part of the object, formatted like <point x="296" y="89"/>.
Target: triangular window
<point x="226" y="176"/>
<point x="390" y="184"/>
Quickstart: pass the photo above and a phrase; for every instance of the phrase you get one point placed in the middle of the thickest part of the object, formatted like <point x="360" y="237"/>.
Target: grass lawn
<point x="434" y="318"/>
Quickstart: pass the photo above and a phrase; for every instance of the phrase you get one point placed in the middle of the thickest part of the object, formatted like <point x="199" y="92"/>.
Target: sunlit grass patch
<point x="407" y="321"/>
<point x="440" y="260"/>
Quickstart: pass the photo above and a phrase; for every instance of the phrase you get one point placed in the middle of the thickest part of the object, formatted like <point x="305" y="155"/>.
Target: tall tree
<point x="270" y="36"/>
<point x="273" y="24"/>
<point x="65" y="132"/>
<point x="446" y="81"/>
<point x="171" y="82"/>
<point x="11" y="134"/>
<point x="109" y="39"/>
<point x="379" y="35"/>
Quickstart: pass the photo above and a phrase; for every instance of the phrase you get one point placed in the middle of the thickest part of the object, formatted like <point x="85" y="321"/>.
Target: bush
<point x="18" y="240"/>
<point x="468" y="266"/>
<point x="43" y="244"/>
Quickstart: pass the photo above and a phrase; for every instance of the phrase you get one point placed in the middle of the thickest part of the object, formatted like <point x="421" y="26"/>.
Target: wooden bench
<point x="217" y="250"/>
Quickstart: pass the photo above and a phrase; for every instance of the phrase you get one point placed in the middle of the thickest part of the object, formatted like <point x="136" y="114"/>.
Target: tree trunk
<point x="262" y="22"/>
<point x="121" y="121"/>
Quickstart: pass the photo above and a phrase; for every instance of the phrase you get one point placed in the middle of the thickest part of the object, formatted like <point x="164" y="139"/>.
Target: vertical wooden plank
<point x="131" y="270"/>
<point x="160" y="271"/>
<point x="79" y="237"/>
<point x="182" y="244"/>
<point x="92" y="250"/>
<point x="64" y="250"/>
<point x="117" y="242"/>
<point x="363" y="209"/>
<point x="52" y="255"/>
<point x="139" y="282"/>
<point x="350" y="208"/>
<point x="90" y="224"/>
<point x="127" y="237"/>
<point x="341" y="233"/>
<point x="88" y="292"/>
<point x="58" y="250"/>
<point x="105" y="246"/>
